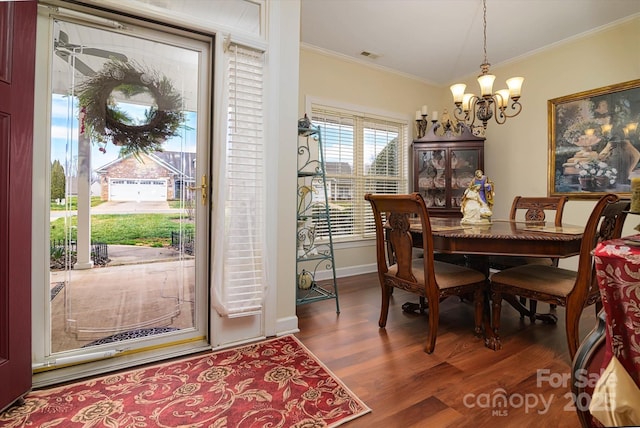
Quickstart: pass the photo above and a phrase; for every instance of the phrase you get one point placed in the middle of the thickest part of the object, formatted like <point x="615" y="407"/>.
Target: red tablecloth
<point x="618" y="271"/>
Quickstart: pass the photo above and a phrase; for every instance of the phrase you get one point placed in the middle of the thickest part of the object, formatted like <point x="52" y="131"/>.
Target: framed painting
<point x="594" y="143"/>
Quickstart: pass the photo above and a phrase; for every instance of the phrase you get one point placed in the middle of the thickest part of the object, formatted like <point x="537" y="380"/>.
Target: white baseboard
<point x="288" y="325"/>
<point x="347" y="271"/>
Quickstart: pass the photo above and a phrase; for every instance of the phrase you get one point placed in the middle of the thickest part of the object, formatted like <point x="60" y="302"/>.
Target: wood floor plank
<point x="461" y="383"/>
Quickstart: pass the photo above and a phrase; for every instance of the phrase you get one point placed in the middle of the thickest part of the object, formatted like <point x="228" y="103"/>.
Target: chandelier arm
<point x="499" y="113"/>
<point x="468" y="117"/>
<point x="502" y="115"/>
<point x="471" y="118"/>
<point x="517" y="107"/>
<point x="458" y="114"/>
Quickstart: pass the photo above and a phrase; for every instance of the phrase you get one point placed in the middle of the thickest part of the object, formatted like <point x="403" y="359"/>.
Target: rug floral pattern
<point x="274" y="383"/>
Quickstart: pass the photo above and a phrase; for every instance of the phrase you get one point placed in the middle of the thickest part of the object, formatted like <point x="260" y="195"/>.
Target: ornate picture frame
<point x="594" y="141"/>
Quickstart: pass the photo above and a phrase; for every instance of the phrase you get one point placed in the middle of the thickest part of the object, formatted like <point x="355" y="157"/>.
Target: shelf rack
<point x="313" y="259"/>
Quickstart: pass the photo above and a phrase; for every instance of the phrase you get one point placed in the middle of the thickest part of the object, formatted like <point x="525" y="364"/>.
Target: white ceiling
<point x="440" y="41"/>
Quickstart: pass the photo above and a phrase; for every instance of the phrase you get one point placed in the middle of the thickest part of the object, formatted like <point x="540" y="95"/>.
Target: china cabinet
<point x="443" y="166"/>
<point x="315" y="264"/>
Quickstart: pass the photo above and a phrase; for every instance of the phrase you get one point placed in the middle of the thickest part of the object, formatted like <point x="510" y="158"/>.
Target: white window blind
<point x="363" y="154"/>
<point x="240" y="251"/>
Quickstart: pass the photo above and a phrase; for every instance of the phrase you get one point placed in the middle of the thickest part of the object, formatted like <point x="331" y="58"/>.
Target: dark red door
<point x="17" y="65"/>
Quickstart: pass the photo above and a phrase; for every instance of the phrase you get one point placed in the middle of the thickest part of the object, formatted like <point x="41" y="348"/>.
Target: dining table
<point x="477" y="242"/>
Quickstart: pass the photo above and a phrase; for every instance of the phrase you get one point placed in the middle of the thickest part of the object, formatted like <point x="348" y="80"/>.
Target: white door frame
<point x="154" y="348"/>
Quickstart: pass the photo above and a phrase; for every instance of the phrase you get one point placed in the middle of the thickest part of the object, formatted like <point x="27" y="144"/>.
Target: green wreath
<point x="107" y="123"/>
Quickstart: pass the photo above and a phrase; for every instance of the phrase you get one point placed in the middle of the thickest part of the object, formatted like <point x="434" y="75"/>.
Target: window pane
<point x="362" y="155"/>
<point x="337" y="138"/>
<point x="380" y="152"/>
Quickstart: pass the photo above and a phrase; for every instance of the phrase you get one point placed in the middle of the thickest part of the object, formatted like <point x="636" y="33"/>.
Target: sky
<point x="64" y="133"/>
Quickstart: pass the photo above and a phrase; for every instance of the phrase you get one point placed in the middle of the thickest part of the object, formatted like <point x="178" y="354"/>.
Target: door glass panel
<point x="125" y="195"/>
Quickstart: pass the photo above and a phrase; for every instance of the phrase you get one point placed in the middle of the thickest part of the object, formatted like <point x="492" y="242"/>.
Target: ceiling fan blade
<point x="105" y="54"/>
<point x="79" y="65"/>
<point x="63" y="42"/>
<point x="83" y="68"/>
<point x="63" y="38"/>
<point x="62" y="54"/>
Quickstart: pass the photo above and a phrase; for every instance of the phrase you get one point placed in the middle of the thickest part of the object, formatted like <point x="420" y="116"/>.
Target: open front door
<point x="17" y="61"/>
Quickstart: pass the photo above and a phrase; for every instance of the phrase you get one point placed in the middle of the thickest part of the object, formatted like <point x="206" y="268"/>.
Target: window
<point x="363" y="153"/>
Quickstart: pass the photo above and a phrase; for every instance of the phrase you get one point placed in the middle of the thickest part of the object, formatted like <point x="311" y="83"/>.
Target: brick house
<point x="158" y="176"/>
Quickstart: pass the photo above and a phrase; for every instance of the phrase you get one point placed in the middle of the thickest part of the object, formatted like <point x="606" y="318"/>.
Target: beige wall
<point x="516" y="152"/>
<point x="344" y="81"/>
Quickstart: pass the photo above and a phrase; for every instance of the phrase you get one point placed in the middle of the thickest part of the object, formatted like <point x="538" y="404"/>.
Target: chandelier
<point x="488" y="104"/>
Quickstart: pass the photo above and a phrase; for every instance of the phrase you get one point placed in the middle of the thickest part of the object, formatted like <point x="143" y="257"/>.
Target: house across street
<point x="157" y="176"/>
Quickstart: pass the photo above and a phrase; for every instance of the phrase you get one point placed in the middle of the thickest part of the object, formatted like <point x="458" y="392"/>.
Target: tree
<point x="385" y="165"/>
<point x="58" y="181"/>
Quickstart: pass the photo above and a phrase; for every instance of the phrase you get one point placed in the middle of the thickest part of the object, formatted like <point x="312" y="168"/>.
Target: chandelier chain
<point x="484" y="12"/>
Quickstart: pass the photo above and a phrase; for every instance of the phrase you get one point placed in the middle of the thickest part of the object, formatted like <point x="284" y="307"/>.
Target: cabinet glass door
<point x="464" y="163"/>
<point x="432" y="177"/>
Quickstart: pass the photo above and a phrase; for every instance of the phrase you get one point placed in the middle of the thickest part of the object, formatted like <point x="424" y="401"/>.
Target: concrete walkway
<point x="126" y="207"/>
<point x="113" y="207"/>
<point x="133" y="254"/>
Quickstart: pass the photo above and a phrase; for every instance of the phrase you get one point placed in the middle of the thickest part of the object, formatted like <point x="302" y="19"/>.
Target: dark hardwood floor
<point x="463" y="383"/>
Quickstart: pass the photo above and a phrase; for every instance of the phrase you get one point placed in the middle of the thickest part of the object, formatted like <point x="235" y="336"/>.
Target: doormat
<point x="55" y="289"/>
<point x="273" y="383"/>
<point x="131" y="334"/>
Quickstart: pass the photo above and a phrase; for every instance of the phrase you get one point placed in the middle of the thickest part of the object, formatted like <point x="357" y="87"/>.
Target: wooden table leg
<point x="481" y="264"/>
<point x="491" y="337"/>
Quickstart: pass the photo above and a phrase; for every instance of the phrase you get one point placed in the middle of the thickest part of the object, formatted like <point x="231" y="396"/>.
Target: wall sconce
<point x="422" y="124"/>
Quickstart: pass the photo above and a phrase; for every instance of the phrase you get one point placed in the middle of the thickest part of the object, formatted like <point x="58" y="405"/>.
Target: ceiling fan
<point x="65" y="50"/>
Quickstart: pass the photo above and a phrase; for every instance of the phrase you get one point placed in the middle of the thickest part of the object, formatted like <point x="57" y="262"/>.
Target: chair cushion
<point x="447" y="275"/>
<point x="543" y="279"/>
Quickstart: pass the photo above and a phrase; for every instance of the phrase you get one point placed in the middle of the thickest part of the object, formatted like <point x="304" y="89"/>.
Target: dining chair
<point x="531" y="209"/>
<point x="564" y="287"/>
<point x="428" y="278"/>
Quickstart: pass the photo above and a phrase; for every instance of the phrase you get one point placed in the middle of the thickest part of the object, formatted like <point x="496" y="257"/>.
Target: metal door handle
<point x="202" y="188"/>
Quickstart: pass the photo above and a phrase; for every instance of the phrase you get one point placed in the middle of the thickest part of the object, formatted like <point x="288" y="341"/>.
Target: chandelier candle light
<point x="470" y="106"/>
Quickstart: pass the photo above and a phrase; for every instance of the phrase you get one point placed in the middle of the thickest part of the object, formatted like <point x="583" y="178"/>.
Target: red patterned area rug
<point x="274" y="383"/>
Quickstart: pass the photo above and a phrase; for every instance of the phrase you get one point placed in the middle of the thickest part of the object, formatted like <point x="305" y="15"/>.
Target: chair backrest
<point x="605" y="222"/>
<point x="400" y="211"/>
<point x="536" y="208"/>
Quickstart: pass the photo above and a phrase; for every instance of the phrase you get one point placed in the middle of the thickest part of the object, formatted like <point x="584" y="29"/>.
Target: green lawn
<point x="153" y="230"/>
<point x="178" y="204"/>
<point x="73" y="203"/>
